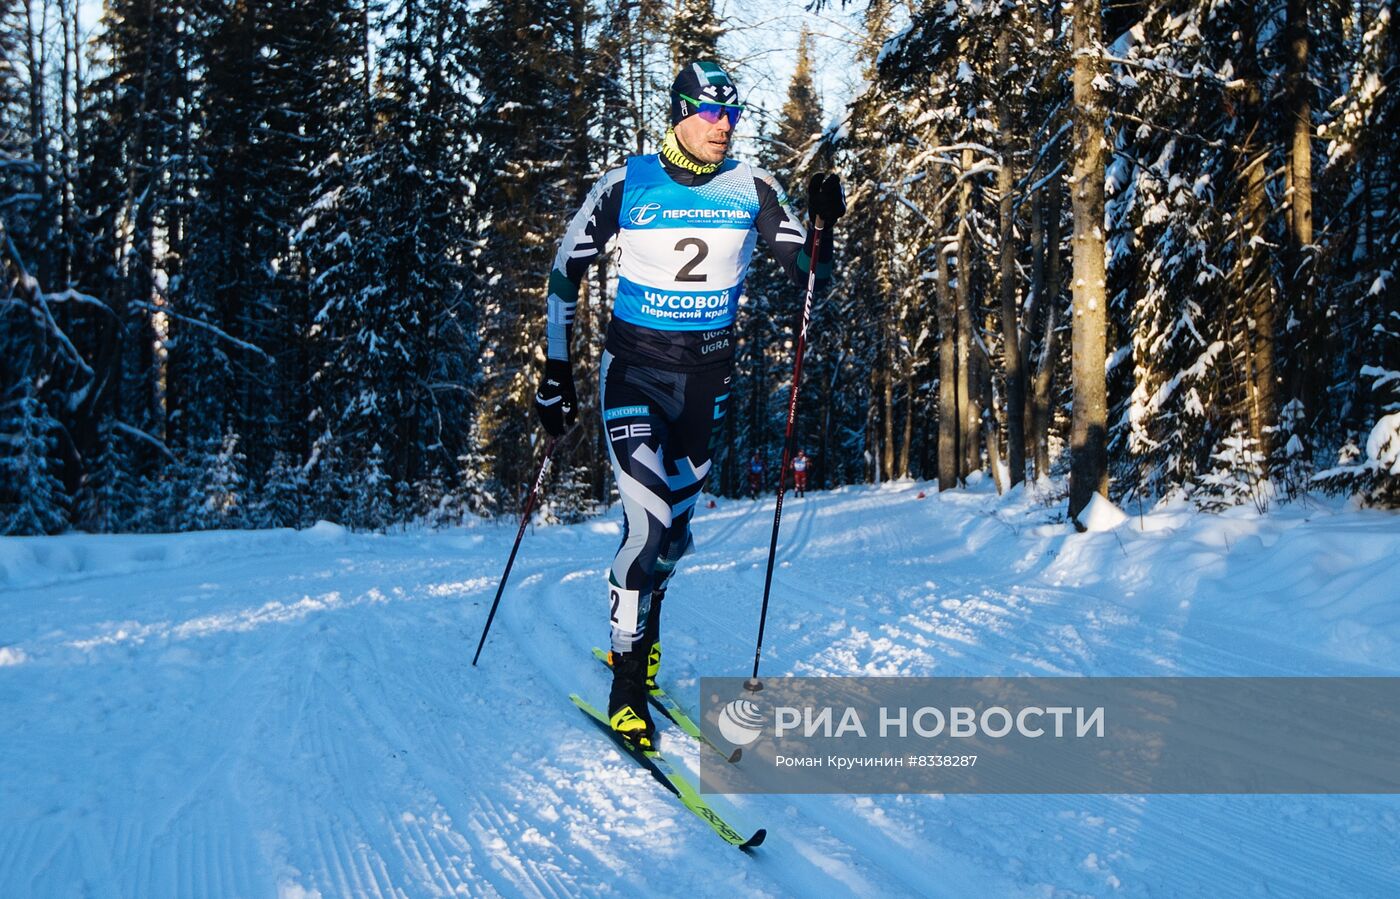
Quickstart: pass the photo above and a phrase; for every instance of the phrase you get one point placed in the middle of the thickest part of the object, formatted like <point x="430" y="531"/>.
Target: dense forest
<point x="271" y="261"/>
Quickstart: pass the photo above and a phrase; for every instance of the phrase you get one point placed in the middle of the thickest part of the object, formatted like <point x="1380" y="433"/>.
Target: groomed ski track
<point x="293" y="713"/>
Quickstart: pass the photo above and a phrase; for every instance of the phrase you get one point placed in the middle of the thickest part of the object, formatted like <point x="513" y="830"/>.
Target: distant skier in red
<point x="799" y="472"/>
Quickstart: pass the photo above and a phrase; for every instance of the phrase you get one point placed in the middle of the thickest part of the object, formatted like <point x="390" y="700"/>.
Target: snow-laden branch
<point x="139" y="434"/>
<point x="200" y="323"/>
<point x="1040" y="157"/>
<point x="1383" y="376"/>
<point x="907" y="203"/>
<point x="1030" y="191"/>
<point x="16" y="199"/>
<point x="965" y="145"/>
<point x="31" y="284"/>
<point x="1159" y="69"/>
<point x="75" y="296"/>
<point x="1209" y="142"/>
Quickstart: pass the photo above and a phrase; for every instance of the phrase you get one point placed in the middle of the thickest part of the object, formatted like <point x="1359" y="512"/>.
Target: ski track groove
<point x="395" y="687"/>
<point x="338" y="862"/>
<point x="349" y="776"/>
<point x="733" y="521"/>
<point x="802" y="529"/>
<point x="1309" y="871"/>
<point x="426" y="846"/>
<point x="438" y="862"/>
<point x="137" y="846"/>
<point x="527" y="870"/>
<point x="45" y="869"/>
<point x="16" y="852"/>
<point x="334" y="859"/>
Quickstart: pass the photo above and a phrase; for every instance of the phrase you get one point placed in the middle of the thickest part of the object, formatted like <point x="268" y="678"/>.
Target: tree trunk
<point x="872" y="430"/>
<point x="907" y="441"/>
<point x="1044" y="380"/>
<point x="1255" y="283"/>
<point x="1050" y="346"/>
<point x="992" y="428"/>
<point x="948" y="379"/>
<point x="1033" y="311"/>
<point x="968" y="426"/>
<point x="887" y="437"/>
<point x="1298" y="257"/>
<point x="1010" y="325"/>
<point x="1300" y="111"/>
<point x="367" y="76"/>
<point x="36" y="46"/>
<point x="1089" y="431"/>
<point x="1255" y="280"/>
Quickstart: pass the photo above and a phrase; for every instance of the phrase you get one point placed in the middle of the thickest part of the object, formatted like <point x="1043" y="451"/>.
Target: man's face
<point x="706" y="141"/>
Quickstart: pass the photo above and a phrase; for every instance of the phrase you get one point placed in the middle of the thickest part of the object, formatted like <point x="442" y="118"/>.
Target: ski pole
<point x="524" y="520"/>
<point x="754" y="684"/>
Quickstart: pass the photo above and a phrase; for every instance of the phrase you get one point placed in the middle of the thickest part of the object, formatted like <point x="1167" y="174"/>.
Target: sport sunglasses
<point x="711" y="112"/>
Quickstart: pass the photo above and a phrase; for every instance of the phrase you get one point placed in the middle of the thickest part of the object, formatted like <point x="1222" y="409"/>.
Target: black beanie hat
<point x="702" y="81"/>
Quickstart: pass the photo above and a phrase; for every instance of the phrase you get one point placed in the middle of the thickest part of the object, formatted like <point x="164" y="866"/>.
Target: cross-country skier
<point x="799" y="472"/>
<point x="756" y="468"/>
<point x="685" y="220"/>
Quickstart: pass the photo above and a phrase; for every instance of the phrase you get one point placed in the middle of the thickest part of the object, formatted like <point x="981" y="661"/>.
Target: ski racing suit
<point x="684" y="240"/>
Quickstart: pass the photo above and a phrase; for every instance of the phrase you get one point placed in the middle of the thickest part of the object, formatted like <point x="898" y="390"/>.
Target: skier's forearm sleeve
<point x="589" y="231"/>
<point x="786" y="236"/>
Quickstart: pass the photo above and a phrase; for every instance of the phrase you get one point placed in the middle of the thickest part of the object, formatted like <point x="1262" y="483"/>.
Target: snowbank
<point x="1101" y="515"/>
<point x="30" y="562"/>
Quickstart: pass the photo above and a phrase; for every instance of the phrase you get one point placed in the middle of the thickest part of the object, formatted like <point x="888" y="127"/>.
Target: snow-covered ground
<point x="294" y="713"/>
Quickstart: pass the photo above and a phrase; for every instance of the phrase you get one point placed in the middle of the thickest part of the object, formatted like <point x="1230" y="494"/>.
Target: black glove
<point x="825" y="199"/>
<point x="556" y="400"/>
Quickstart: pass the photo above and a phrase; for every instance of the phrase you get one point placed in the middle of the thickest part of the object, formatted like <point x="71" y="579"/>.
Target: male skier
<point x="799" y="472"/>
<point x="685" y="220"/>
<point x="755" y="474"/>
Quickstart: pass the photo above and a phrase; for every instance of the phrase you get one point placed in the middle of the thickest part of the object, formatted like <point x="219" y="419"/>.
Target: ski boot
<point x="627" y="703"/>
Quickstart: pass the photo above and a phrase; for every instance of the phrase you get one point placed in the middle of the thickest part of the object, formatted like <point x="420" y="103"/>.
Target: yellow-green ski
<point x="669" y="777"/>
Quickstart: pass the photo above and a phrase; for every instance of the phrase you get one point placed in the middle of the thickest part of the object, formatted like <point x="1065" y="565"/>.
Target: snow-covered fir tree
<point x="281" y="94"/>
<point x="519" y="59"/>
<point x="140" y="177"/>
<point x="1362" y="157"/>
<point x="391" y="326"/>
<point x="31" y="494"/>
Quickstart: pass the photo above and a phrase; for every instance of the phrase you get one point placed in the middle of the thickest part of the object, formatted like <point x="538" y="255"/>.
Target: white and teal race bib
<point x="684" y="250"/>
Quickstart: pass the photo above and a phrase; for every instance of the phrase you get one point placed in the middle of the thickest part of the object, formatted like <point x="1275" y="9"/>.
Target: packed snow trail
<point x="293" y="713"/>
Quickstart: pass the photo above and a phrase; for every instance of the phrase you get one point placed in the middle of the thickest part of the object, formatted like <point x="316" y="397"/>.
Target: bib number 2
<point x="687" y="272"/>
<point x="625" y="608"/>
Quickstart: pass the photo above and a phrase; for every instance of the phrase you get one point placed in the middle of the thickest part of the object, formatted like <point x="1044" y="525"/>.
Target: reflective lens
<point x="711" y="112"/>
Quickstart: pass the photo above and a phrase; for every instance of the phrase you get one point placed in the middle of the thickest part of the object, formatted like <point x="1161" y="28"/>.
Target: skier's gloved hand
<point x="825" y="199"/>
<point x="555" y="401"/>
